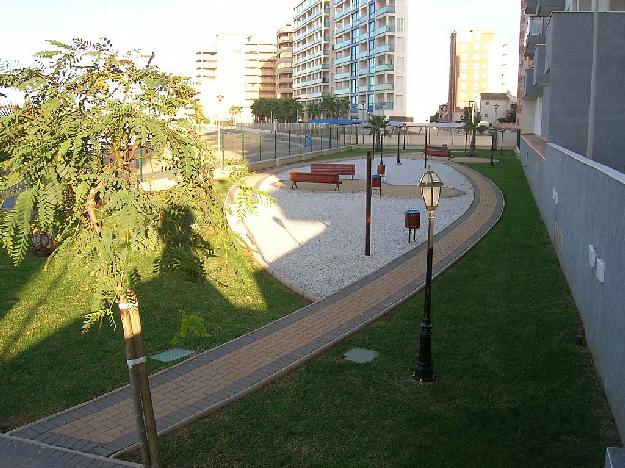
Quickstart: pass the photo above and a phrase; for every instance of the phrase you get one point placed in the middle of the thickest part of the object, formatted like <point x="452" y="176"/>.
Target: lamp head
<point x="430" y="185"/>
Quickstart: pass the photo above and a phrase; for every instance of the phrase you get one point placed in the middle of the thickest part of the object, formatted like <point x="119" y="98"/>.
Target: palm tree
<point x="471" y="123"/>
<point x="313" y="110"/>
<point x="328" y="106"/>
<point x="234" y="112"/>
<point x="377" y="126"/>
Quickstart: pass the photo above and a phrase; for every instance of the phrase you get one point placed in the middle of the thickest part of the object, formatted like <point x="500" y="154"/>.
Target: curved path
<point x="193" y="388"/>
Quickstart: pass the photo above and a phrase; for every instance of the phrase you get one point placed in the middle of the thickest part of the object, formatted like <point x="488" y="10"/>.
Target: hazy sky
<point x="176" y="29"/>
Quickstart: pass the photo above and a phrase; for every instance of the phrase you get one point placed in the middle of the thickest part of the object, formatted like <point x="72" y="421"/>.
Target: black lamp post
<point x="398" y="143"/>
<point x="430" y="185"/>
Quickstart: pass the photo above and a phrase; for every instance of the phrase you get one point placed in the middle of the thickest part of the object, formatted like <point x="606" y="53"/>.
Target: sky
<point x="176" y="29"/>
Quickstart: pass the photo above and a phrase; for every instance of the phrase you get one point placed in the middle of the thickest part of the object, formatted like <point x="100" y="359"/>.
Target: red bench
<point x="314" y="178"/>
<point x="338" y="169"/>
<point x="438" y="151"/>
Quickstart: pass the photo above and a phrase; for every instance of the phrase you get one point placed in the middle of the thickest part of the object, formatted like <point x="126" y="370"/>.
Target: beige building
<point x="472" y="69"/>
<point x="233" y="72"/>
<point x="284" y="62"/>
<point x="353" y="49"/>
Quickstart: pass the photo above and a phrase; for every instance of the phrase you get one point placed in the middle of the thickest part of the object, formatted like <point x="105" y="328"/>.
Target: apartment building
<point x="571" y="149"/>
<point x="312" y="25"/>
<point x="284" y="62"/>
<point x="355" y="49"/>
<point x="233" y="72"/>
<point x="471" y="63"/>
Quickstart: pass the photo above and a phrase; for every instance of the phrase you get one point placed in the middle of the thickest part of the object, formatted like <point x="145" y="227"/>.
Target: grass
<point x="513" y="389"/>
<point x="46" y="365"/>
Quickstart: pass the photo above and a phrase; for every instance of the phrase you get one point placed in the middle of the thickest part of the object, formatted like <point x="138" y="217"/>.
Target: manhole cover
<point x="360" y="355"/>
<point x="172" y="354"/>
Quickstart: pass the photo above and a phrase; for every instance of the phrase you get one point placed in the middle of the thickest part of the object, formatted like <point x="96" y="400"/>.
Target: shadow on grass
<point x="56" y="367"/>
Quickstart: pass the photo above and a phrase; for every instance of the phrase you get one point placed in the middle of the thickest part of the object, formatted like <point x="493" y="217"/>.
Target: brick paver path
<point x="20" y="453"/>
<point x="214" y="378"/>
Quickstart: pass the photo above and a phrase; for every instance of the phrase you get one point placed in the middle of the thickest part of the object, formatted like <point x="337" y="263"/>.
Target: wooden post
<point x="146" y="423"/>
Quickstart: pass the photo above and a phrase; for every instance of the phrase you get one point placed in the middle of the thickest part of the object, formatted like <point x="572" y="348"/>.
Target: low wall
<point x="271" y="163"/>
<point x="582" y="204"/>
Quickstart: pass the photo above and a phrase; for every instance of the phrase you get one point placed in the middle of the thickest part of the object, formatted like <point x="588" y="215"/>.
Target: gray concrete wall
<point x="569" y="47"/>
<point x="589" y="211"/>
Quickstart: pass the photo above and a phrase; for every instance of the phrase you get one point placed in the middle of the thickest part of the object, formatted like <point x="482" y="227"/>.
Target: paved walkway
<point x="20" y="453"/>
<point x="193" y="388"/>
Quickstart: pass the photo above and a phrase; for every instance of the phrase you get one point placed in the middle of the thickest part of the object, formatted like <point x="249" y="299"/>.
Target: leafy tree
<point x="88" y="112"/>
<point x="471" y="122"/>
<point x="284" y="110"/>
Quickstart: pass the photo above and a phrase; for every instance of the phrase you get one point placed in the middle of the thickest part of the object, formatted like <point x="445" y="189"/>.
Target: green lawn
<point x="513" y="390"/>
<point x="46" y="365"/>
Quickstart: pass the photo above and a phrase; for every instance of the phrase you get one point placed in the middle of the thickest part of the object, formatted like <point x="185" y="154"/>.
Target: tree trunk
<point x="142" y="398"/>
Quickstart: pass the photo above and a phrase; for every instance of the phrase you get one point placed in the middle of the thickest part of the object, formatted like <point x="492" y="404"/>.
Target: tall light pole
<point x="368" y="206"/>
<point x="430" y="185"/>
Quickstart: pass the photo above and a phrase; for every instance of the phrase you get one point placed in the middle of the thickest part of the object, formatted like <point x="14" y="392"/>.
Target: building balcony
<point x="307" y="46"/>
<point x="546" y="7"/>
<point x="342" y="13"/>
<point x="308" y="20"/>
<point x="384" y="105"/>
<point x="383" y="87"/>
<point x="362" y="55"/>
<point x="385" y="30"/>
<point x="362" y="89"/>
<point x="531" y="92"/>
<point x="385" y="67"/>
<point x="341" y="92"/>
<point x="385" y="11"/>
<point x="342" y="60"/>
<point x="341" y="76"/>
<point x="342" y="45"/>
<point x="535" y="34"/>
<point x="363" y="71"/>
<point x="307" y="33"/>
<point x="540" y="77"/>
<point x="385" y="48"/>
<point x="340" y="30"/>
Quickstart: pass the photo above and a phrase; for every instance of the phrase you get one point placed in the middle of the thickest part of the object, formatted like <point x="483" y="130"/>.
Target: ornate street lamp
<point x="430" y="185"/>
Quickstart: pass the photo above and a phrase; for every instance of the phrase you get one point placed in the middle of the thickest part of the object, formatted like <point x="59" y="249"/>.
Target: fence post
<point x="289" y="142"/>
<point x="260" y="146"/>
<point x="275" y="144"/>
<point x="242" y="144"/>
<point x="343" y="135"/>
<point x="330" y="139"/>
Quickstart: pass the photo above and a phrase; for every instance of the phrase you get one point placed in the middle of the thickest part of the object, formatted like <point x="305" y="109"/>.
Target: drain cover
<point x="360" y="355"/>
<point x="172" y="354"/>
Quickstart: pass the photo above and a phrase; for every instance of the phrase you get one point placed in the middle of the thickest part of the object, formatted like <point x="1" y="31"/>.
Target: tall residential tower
<point x="233" y="72"/>
<point x="355" y="49"/>
<point x="284" y="62"/>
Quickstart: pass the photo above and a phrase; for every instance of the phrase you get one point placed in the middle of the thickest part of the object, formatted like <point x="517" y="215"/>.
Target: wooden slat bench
<point x="314" y="178"/>
<point x="339" y="169"/>
<point x="438" y="151"/>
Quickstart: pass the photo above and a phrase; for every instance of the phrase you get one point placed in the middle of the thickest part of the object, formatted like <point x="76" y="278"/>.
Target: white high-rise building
<point x="233" y="72"/>
<point x="352" y="48"/>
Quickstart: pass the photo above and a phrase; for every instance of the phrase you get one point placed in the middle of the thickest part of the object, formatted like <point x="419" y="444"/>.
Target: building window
<point x="400" y="25"/>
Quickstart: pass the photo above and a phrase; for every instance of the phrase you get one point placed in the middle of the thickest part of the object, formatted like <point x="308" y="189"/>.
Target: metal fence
<point x="263" y="141"/>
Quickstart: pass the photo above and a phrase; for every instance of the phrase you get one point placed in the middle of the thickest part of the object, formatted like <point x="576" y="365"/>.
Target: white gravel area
<point x="314" y="242"/>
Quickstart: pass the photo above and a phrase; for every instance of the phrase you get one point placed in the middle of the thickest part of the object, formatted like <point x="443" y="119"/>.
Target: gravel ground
<point x="314" y="242"/>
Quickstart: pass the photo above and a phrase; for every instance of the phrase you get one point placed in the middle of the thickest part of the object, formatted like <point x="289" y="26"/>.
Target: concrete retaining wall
<point x="582" y="203"/>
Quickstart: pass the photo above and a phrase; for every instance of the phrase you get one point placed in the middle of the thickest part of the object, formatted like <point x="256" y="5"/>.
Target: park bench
<point x="314" y="178"/>
<point x="438" y="151"/>
<point x="339" y="169"/>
